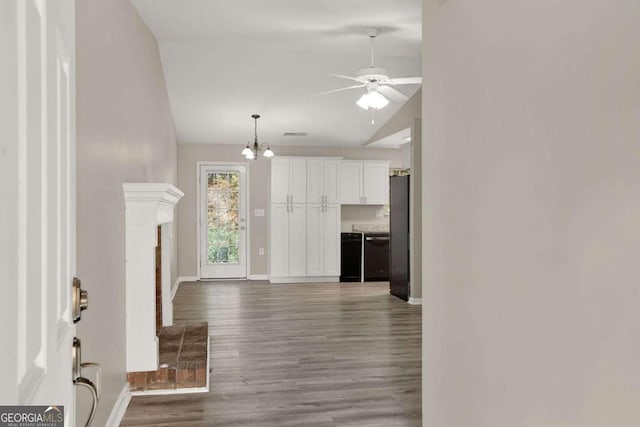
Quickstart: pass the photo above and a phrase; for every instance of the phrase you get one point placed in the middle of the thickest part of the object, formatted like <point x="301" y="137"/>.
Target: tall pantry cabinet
<point x="323" y="218"/>
<point x="305" y="219"/>
<point x="288" y="217"/>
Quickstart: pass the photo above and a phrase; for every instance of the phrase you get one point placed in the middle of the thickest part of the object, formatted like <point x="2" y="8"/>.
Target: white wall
<point x="416" y="208"/>
<point x="531" y="153"/>
<point x="403" y="119"/>
<point x="259" y="176"/>
<point x="125" y="133"/>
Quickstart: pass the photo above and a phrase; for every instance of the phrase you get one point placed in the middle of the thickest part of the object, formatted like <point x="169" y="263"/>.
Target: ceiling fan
<point x="376" y="81"/>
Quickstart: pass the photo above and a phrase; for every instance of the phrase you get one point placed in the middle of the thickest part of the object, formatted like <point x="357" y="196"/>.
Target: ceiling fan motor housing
<point x="373" y="74"/>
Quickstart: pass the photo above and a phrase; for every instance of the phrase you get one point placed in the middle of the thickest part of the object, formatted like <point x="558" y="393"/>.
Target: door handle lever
<point x="82" y="381"/>
<point x="79" y="380"/>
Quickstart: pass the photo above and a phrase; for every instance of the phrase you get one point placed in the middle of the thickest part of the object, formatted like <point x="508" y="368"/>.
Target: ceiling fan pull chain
<point x="373" y="113"/>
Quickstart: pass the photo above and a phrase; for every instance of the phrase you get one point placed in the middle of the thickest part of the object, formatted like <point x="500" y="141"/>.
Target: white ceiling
<point x="225" y="60"/>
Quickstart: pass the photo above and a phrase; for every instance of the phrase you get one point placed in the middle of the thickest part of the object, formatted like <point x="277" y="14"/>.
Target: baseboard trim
<point x="315" y="279"/>
<point x="179" y="280"/>
<point x="258" y="277"/>
<point x="119" y="408"/>
<point x="415" y="301"/>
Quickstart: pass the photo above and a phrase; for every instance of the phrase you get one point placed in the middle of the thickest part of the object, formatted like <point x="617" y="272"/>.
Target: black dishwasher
<point x="351" y="257"/>
<point x="376" y="257"/>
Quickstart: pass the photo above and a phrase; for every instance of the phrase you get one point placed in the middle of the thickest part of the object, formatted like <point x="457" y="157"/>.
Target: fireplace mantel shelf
<point x="152" y="192"/>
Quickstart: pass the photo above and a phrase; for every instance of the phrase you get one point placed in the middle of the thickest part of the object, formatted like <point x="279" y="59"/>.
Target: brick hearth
<point x="183" y="360"/>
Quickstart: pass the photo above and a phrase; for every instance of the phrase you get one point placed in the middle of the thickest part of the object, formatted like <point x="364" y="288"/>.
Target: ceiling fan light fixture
<point x="372" y="100"/>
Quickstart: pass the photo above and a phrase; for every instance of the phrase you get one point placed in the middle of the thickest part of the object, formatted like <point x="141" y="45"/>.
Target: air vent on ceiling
<point x="295" y="134"/>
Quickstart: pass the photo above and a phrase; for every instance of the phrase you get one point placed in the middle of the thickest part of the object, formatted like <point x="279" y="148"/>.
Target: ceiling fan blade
<point x="392" y="94"/>
<point x="406" y="81"/>
<point x="339" y="90"/>
<point x="342" y="76"/>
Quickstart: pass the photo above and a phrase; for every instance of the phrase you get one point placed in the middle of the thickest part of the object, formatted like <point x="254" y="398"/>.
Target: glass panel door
<point x="223" y="230"/>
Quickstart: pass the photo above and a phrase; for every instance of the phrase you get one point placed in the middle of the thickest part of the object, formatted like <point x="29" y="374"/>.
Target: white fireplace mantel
<point x="147" y="205"/>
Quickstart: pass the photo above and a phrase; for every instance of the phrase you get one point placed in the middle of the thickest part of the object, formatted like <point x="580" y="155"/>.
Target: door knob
<point x="79" y="300"/>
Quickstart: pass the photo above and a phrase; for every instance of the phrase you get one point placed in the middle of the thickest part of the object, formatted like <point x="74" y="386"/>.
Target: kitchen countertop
<point x="368" y="228"/>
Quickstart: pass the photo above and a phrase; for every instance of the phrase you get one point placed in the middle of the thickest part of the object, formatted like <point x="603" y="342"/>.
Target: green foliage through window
<point x="223" y="197"/>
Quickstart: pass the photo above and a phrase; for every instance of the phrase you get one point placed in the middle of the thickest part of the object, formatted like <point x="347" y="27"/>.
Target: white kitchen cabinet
<point x="288" y="240"/>
<point x="322" y="180"/>
<point x="376" y="183"/>
<point x="279" y="239"/>
<point x="350" y="178"/>
<point x="323" y="239"/>
<point x="364" y="182"/>
<point x="288" y="180"/>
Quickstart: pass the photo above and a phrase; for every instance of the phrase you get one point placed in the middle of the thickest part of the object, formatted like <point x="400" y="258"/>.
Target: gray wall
<point x="531" y="192"/>
<point x="259" y="172"/>
<point x="125" y="133"/>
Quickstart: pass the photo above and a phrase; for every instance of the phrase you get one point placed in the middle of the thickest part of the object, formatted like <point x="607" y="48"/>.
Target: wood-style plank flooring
<point x="337" y="354"/>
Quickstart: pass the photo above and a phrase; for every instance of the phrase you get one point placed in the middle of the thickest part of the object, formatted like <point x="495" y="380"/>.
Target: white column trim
<point x="147" y="205"/>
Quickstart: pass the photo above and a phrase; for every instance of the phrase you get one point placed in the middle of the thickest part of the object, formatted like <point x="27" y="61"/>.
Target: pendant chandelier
<point x="252" y="151"/>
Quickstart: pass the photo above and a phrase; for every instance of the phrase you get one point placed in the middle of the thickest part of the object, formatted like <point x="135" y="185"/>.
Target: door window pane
<point x="223" y="199"/>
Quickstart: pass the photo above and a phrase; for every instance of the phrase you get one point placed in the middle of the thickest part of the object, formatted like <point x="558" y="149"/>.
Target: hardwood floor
<point x="338" y="354"/>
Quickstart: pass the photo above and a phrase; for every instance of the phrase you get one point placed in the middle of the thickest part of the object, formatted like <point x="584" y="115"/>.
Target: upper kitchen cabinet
<point x="364" y="182"/>
<point x="288" y="180"/>
<point x="322" y="180"/>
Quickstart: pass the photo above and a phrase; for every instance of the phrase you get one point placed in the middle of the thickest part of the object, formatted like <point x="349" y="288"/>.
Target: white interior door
<point x="37" y="175"/>
<point x="223" y="221"/>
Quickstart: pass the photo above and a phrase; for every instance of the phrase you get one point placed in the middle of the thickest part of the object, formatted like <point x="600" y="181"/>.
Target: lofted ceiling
<point x="225" y="60"/>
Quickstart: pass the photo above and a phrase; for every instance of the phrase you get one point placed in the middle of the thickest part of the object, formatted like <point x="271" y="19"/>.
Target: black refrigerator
<point x="399" y="236"/>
